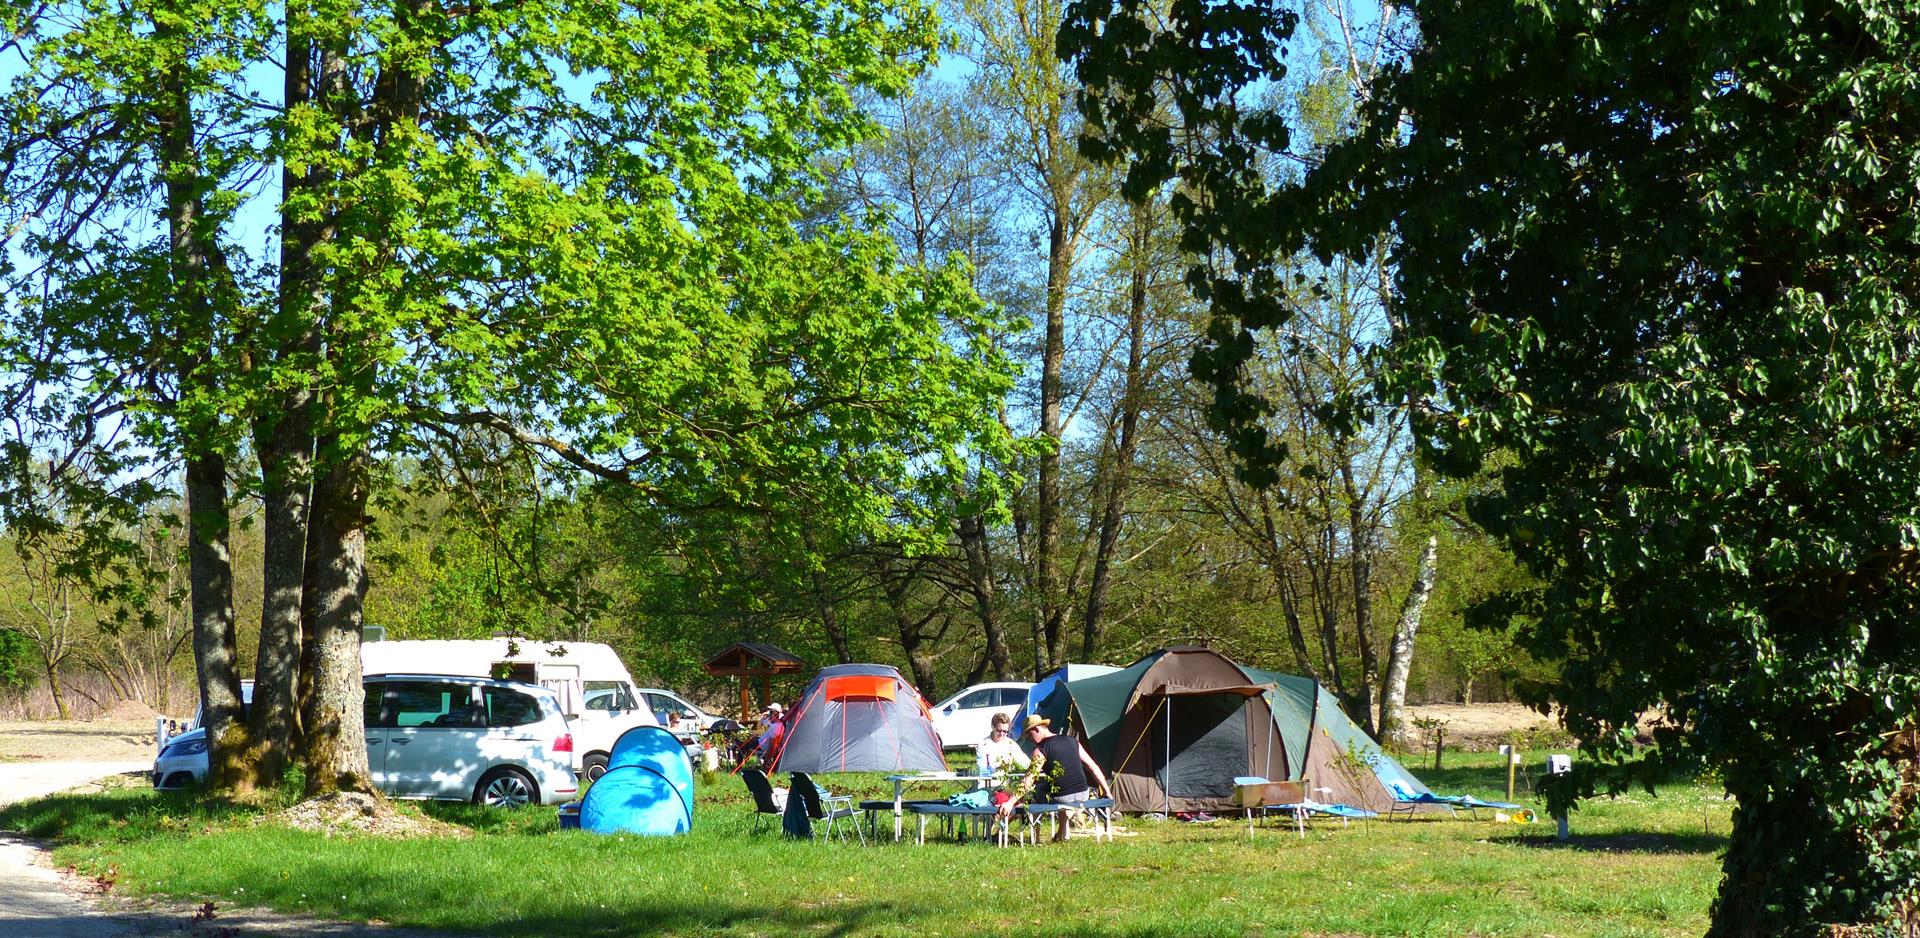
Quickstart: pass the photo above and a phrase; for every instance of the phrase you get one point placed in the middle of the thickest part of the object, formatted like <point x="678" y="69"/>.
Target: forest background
<point x="1128" y="525"/>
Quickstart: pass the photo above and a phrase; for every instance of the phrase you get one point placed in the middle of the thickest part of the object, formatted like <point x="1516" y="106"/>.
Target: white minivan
<point x="439" y="736"/>
<point x="595" y="690"/>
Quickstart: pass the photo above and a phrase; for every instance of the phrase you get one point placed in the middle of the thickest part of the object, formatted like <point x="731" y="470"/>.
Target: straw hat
<point x="1033" y="720"/>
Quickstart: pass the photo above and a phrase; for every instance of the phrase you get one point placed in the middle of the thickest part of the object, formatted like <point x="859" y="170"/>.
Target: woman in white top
<point x="1000" y="752"/>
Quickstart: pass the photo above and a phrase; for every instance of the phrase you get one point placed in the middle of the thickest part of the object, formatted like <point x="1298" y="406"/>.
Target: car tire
<point x="506" y="787"/>
<point x="593" y="766"/>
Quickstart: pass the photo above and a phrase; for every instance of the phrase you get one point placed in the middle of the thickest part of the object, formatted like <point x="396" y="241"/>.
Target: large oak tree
<point x="1664" y="255"/>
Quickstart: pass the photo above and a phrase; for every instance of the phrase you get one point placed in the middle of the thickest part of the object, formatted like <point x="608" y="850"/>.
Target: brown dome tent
<point x="1175" y="728"/>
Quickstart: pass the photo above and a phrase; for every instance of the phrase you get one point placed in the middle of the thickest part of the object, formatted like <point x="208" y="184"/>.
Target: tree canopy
<point x="1663" y="254"/>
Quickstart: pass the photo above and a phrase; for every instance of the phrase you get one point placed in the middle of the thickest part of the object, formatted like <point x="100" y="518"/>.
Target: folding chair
<point x="828" y="807"/>
<point x="764" y="803"/>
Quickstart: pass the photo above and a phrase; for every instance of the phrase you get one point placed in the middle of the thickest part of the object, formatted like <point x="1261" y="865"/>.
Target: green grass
<point x="1637" y="866"/>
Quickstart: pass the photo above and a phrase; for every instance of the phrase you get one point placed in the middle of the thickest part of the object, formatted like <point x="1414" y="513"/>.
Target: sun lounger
<point x="1407" y="801"/>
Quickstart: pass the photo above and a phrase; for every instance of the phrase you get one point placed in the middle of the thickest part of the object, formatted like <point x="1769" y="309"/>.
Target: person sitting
<point x="999" y="752"/>
<point x="774" y="716"/>
<point x="1067" y="767"/>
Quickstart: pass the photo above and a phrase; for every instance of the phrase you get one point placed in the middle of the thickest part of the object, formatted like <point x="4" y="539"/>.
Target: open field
<point x="1642" y="865"/>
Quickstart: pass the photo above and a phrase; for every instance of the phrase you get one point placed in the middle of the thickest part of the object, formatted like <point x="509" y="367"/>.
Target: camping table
<point x="900" y="787"/>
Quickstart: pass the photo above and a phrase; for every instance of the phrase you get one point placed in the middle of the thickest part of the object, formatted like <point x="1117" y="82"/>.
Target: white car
<point x="964" y="719"/>
<point x="663" y="702"/>
<point x="446" y="737"/>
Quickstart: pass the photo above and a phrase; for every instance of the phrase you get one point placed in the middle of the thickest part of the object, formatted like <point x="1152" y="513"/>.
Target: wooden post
<point x="1513" y="758"/>
<point x="746" y="702"/>
<point x="1439" y="745"/>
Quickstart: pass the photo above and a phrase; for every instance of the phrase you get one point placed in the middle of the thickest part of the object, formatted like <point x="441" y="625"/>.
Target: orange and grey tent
<point x="860" y="718"/>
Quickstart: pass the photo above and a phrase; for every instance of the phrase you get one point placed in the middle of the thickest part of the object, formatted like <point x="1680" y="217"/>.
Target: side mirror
<point x="949" y="710"/>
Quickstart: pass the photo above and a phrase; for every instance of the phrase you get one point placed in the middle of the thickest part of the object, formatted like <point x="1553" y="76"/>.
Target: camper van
<point x="595" y="690"/>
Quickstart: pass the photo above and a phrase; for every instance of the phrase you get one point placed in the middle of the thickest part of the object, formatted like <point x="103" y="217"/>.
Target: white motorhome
<point x="595" y="690"/>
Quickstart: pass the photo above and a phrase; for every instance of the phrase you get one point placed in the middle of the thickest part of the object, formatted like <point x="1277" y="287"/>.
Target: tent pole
<point x="1166" y="780"/>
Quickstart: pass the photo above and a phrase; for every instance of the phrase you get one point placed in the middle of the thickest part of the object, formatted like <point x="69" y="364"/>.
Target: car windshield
<point x="609" y="695"/>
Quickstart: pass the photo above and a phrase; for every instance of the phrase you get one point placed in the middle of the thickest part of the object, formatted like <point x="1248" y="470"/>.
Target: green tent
<point x="1175" y="728"/>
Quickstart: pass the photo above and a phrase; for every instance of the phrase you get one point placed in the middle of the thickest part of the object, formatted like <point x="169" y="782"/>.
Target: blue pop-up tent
<point x="648" y="788"/>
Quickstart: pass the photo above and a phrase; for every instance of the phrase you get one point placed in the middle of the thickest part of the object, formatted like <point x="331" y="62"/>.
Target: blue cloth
<point x="979" y="798"/>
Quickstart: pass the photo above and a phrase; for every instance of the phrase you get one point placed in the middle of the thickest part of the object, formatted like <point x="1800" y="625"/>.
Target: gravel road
<point x="38" y="901"/>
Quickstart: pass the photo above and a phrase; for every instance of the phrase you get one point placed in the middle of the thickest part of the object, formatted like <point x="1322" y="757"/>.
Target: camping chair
<point x="764" y="803"/>
<point x="828" y="807"/>
<point x="1407" y="801"/>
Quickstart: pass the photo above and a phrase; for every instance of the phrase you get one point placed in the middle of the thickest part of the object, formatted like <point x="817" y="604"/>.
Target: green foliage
<point x="18" y="666"/>
<point x="1657" y="253"/>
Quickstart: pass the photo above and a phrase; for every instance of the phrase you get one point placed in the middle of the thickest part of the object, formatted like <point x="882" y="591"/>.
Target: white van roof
<point x="476" y="657"/>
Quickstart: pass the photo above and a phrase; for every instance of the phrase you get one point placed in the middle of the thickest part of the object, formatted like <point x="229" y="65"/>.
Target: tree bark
<point x="913" y="641"/>
<point x="1285" y="586"/>
<point x="1110" y="518"/>
<point x="973" y="543"/>
<point x="1360" y="539"/>
<point x="210" y="575"/>
<point x="210" y="563"/>
<point x="1052" y="391"/>
<point x="284" y="440"/>
<point x="333" y="724"/>
<point x="1393" y="701"/>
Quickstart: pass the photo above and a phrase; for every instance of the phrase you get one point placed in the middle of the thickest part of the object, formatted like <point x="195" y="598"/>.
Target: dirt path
<point x="40" y="901"/>
<point x="20" y="781"/>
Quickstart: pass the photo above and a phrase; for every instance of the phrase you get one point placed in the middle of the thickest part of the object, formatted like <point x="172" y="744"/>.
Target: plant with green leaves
<point x="575" y="230"/>
<point x="1664" y="255"/>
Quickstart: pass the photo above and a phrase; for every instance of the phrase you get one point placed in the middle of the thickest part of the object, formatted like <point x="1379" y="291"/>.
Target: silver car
<point x="443" y="737"/>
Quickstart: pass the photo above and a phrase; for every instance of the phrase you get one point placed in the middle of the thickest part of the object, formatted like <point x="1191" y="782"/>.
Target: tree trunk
<point x="210" y="574"/>
<point x="973" y="543"/>
<point x="1360" y="539"/>
<point x="830" y="619"/>
<point x="276" y="695"/>
<point x="1795" y="825"/>
<point x="1329" y="612"/>
<point x="53" y="687"/>
<point x="334" y="729"/>
<point x="1110" y="517"/>
<point x="284" y="441"/>
<point x="913" y="642"/>
<point x="1393" y="702"/>
<point x="1284" y="584"/>
<point x="1052" y="391"/>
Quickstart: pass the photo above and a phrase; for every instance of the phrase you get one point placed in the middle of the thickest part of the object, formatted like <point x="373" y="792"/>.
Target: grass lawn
<point x="1641" y="865"/>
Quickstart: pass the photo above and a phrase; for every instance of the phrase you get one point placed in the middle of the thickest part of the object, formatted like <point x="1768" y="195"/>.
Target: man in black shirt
<point x="1066" y="766"/>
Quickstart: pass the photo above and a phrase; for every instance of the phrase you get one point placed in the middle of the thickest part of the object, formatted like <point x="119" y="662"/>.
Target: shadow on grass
<point x="1668" y="842"/>
<point x="532" y="819"/>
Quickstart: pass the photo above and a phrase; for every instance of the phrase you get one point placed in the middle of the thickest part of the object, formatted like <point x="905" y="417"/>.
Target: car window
<point x="375" y="694"/>
<point x="423" y="703"/>
<point x="1012" y="696"/>
<point x="510" y="707"/>
<point x="608" y="695"/>
<point x="979" y="698"/>
<point x="663" y="705"/>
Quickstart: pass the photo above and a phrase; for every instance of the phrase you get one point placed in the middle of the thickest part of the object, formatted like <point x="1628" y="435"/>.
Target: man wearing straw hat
<point x="1069" y="781"/>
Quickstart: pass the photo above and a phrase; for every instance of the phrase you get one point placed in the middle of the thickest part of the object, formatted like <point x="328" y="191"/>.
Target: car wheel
<point x="593" y="766"/>
<point x="506" y="787"/>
